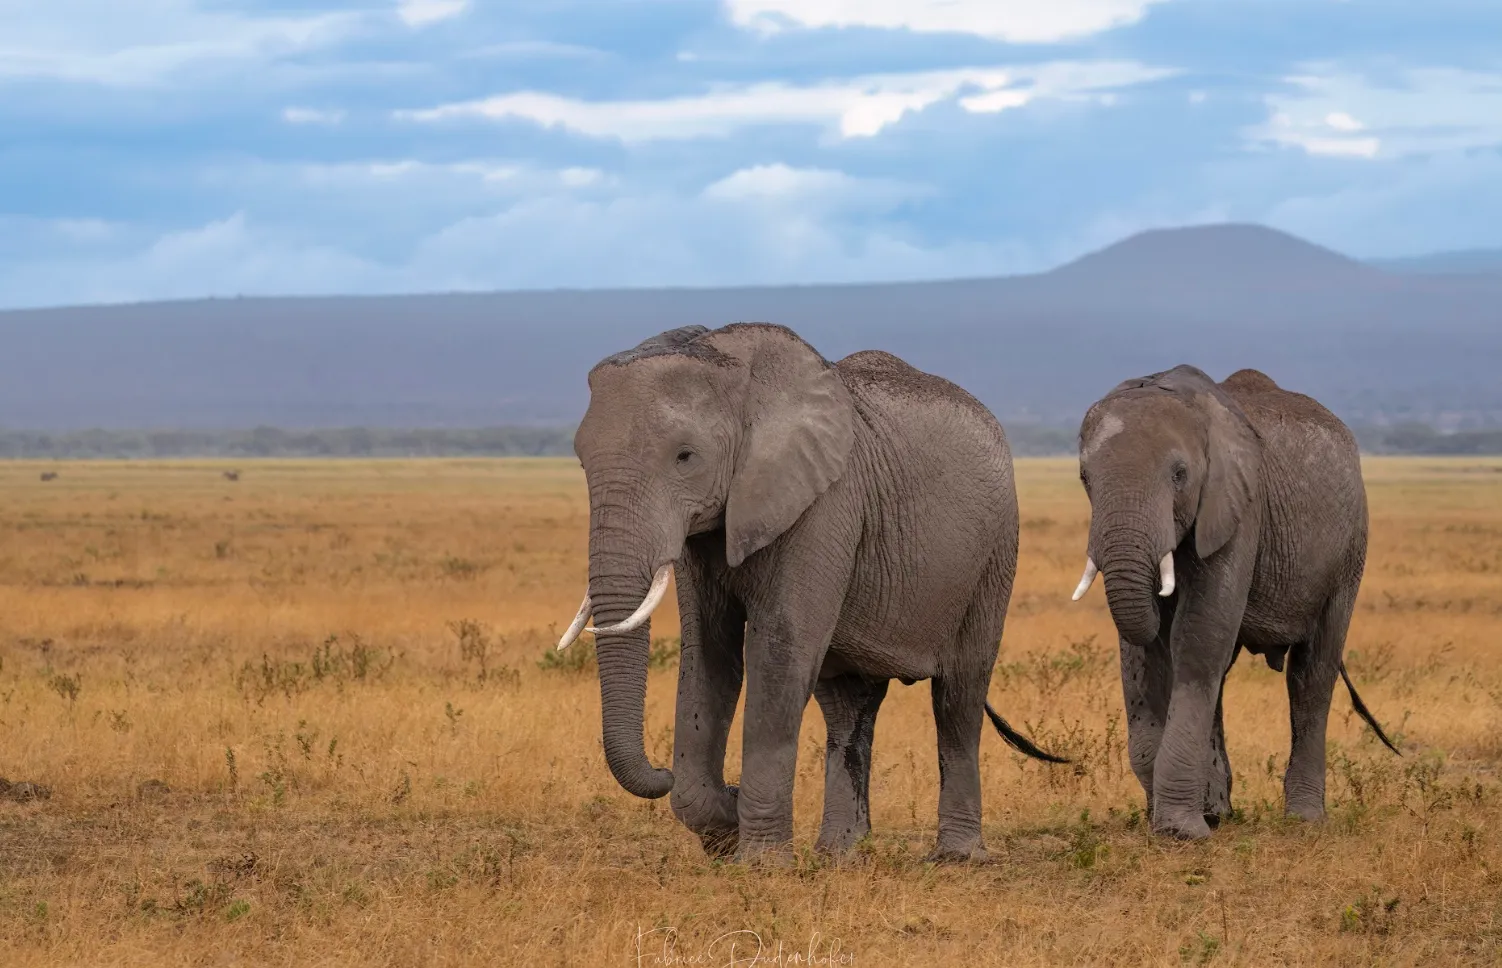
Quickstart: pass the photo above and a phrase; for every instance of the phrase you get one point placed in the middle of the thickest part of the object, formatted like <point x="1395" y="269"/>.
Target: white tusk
<point x="1087" y="579"/>
<point x="1165" y="572"/>
<point x="644" y="610"/>
<point x="576" y="626"/>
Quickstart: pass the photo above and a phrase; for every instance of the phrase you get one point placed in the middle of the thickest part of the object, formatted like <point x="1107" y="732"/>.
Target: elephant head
<point x="738" y="429"/>
<point x="1162" y="457"/>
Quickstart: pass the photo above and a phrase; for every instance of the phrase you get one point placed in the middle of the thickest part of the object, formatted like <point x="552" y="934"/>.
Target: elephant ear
<point x="1234" y="474"/>
<point x="798" y="430"/>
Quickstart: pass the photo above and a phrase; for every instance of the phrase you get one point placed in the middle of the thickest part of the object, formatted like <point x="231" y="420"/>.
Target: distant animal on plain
<point x="1223" y="516"/>
<point x="49" y="475"/>
<point x="832" y="526"/>
<point x="231" y="475"/>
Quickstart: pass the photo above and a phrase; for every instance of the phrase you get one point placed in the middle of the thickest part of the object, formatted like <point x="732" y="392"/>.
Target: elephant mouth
<point x="1166" y="580"/>
<point x="643" y="611"/>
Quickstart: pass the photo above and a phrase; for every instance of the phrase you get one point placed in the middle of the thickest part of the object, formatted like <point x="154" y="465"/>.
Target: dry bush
<point x="314" y="718"/>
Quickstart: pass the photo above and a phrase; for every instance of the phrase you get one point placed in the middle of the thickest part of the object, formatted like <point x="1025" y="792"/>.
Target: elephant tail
<point x="1362" y="711"/>
<point x="1024" y="745"/>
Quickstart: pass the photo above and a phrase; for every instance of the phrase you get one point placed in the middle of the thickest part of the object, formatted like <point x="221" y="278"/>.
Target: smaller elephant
<point x="1241" y="505"/>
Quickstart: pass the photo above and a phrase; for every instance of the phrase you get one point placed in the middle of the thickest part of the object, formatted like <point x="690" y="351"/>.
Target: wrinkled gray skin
<point x="833" y="527"/>
<point x="1257" y="491"/>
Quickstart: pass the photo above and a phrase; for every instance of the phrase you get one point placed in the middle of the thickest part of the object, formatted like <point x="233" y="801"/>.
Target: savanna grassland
<point x="310" y="717"/>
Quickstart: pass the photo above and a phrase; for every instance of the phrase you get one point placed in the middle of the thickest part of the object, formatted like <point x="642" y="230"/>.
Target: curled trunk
<point x="1128" y="556"/>
<point x="624" y="547"/>
<point x="1131" y="593"/>
<point x="622" y="659"/>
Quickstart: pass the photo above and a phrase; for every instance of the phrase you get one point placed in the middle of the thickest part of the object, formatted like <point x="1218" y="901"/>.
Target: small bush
<point x="331" y="662"/>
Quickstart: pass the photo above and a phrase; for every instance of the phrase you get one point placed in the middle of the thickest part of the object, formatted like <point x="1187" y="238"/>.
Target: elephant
<point x="832" y="526"/>
<point x="1242" y="505"/>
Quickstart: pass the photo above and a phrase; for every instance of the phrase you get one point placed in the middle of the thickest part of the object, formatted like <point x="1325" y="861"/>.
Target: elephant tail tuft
<point x="1024" y="745"/>
<point x="1365" y="713"/>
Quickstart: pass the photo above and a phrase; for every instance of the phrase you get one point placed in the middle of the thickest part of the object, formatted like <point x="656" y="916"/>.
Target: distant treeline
<point x="1027" y="440"/>
<point x="275" y="442"/>
<point x="1422" y="439"/>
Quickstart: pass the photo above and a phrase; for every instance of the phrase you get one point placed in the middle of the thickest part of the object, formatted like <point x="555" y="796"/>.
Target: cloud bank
<point x="187" y="148"/>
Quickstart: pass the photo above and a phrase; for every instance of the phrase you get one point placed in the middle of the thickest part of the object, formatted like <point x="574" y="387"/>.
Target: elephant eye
<point x="684" y="456"/>
<point x="1180" y="476"/>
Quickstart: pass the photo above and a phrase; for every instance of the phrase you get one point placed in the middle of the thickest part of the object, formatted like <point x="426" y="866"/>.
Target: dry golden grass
<point x="344" y="786"/>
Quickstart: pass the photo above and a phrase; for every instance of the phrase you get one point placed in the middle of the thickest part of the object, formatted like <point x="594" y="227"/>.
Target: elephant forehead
<point x="661" y="378"/>
<point x="1107" y="427"/>
<point x="652" y="395"/>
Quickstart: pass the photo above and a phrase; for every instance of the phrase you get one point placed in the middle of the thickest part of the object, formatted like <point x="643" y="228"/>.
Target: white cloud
<point x="86" y="230"/>
<point x="1424" y="111"/>
<point x="762" y="224"/>
<point x="225" y="257"/>
<point x="296" y="115"/>
<point x="776" y="181"/>
<point x="1428" y="204"/>
<point x="1014" y="21"/>
<point x="1320" y="137"/>
<point x="994" y="101"/>
<point x="809" y="190"/>
<point x="148" y="42"/>
<point x="580" y="177"/>
<point x="421" y="13"/>
<point x="484" y="173"/>
<point x="534" y="49"/>
<point x="25" y="234"/>
<point x="669" y="239"/>
<point x="1341" y="121"/>
<point x="855" y="107"/>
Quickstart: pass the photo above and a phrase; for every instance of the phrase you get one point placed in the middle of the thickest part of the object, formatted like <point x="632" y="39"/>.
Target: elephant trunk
<point x="620" y="570"/>
<point x="1129" y="554"/>
<point x="622" y="658"/>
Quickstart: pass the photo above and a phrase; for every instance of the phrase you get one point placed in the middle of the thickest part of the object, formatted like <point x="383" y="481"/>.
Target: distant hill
<point x="1226" y="256"/>
<point x="1377" y="346"/>
<point x="1459" y="262"/>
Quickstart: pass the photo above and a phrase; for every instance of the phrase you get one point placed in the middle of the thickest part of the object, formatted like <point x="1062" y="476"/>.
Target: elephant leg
<point x="783" y="657"/>
<point x="1146" y="682"/>
<point x="1203" y="645"/>
<point x="1218" y="782"/>
<point x="959" y="705"/>
<point x="710" y="672"/>
<point x="709" y="680"/>
<point x="959" y="701"/>
<point x="849" y="704"/>
<point x="1312" y="670"/>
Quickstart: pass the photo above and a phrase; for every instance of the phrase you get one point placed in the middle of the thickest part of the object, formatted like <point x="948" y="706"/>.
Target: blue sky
<point x="185" y="148"/>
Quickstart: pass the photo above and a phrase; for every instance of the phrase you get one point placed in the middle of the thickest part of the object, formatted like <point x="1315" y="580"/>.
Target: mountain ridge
<point x="1373" y="344"/>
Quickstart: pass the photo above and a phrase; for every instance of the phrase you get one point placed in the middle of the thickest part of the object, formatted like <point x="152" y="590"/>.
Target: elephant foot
<point x="841" y="840"/>
<point x="1304" y="793"/>
<point x="1217" y="806"/>
<point x="712" y="818"/>
<point x="834" y="850"/>
<point x="719" y="844"/>
<point x="942" y="854"/>
<point x="767" y="857"/>
<point x="840" y="857"/>
<point x="1191" y="827"/>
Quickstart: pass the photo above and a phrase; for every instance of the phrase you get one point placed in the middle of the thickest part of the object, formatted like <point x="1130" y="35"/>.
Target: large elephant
<point x="832" y="527"/>
<point x="1223" y="516"/>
